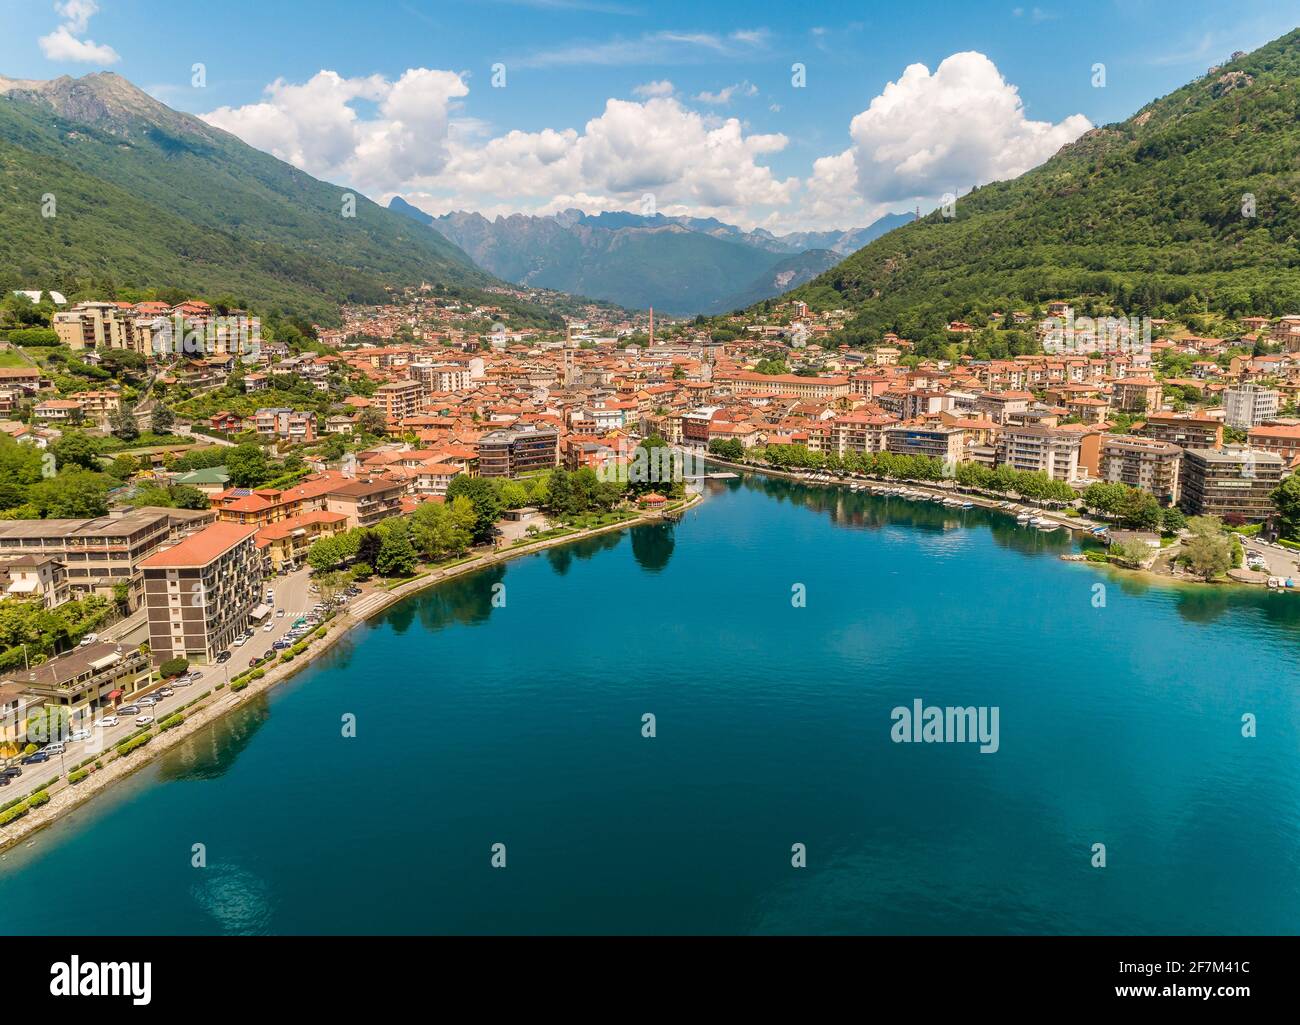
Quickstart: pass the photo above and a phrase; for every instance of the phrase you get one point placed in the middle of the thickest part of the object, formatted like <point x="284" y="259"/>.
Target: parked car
<point x="34" y="759"/>
<point x="13" y="772"/>
<point x="148" y="701"/>
<point x="223" y="657"/>
<point x="143" y="720"/>
<point x="166" y="692"/>
<point x="182" y="681"/>
<point x="89" y="639"/>
<point x="55" y="748"/>
<point x="79" y="735"/>
<point x="279" y="613"/>
<point x="239" y="641"/>
<point x="106" y="722"/>
<point x="129" y="710"/>
<point x="268" y="628"/>
<point x="195" y="676"/>
<point x="5" y="781"/>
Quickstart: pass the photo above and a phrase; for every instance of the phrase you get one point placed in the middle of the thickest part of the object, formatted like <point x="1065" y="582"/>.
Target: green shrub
<point x="258" y="673"/>
<point x="287" y="656"/>
<point x="37" y="799"/>
<point x="237" y="685"/>
<point x="171" y="722"/>
<point x="16" y="812"/>
<point x="76" y="777"/>
<point x="174" y="666"/>
<point x="127" y="746"/>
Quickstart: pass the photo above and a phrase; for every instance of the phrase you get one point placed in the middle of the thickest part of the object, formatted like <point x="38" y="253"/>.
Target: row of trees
<point x="894" y="466"/>
<point x="1132" y="508"/>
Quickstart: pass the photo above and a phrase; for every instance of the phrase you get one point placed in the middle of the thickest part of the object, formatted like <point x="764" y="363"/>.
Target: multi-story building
<point x="1186" y="430"/>
<point x="435" y="377"/>
<point x="201" y="592"/>
<point x="1034" y="449"/>
<point x="1143" y="463"/>
<point x="99" y="554"/>
<point x="284" y="544"/>
<point x="508" y="453"/>
<point x="936" y="441"/>
<point x="1280" y="439"/>
<point x="35" y="578"/>
<point x="82" y="682"/>
<point x="1287" y="332"/>
<point x="1235" y="482"/>
<point x="860" y="432"/>
<point x="399" y="399"/>
<point x="1137" y="394"/>
<point x="744" y="382"/>
<point x="1249" y="405"/>
<point x="363" y="503"/>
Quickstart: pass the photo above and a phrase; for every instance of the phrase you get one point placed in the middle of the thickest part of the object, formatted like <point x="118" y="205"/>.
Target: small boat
<point x="1024" y="518"/>
<point x="967" y="505"/>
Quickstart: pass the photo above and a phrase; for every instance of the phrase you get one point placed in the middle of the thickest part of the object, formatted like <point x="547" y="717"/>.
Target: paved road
<point x="208" y="438"/>
<point x="292" y="594"/>
<point x="1282" y="562"/>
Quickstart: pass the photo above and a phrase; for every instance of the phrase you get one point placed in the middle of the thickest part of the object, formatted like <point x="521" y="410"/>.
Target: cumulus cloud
<point x="927" y="134"/>
<point x="316" y="125"/>
<point x="65" y="42"/>
<point x="924" y="135"/>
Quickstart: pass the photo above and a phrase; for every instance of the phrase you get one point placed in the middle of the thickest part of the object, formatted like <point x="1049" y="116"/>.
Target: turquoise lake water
<point x="522" y="725"/>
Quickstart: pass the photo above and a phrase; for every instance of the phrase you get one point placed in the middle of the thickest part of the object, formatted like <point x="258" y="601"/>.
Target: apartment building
<point x="201" y="592"/>
<point x="35" y="578"/>
<point x="1186" y="430"/>
<point x="508" y="453"/>
<point x="1137" y="394"/>
<point x="936" y="441"/>
<point x="1249" y="405"/>
<point x="439" y="377"/>
<point x="1235" y="482"/>
<point x="284" y="544"/>
<point x="399" y="399"/>
<point x="1144" y="463"/>
<point x="1034" y="449"/>
<point x="1280" y="439"/>
<point x="1287" y="332"/>
<point x="99" y="553"/>
<point x="860" y="432"/>
<point x="285" y="424"/>
<point x="363" y="503"/>
<point x="82" y="683"/>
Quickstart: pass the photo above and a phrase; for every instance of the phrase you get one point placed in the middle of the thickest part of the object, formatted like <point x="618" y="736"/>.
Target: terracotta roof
<point x="202" y="548"/>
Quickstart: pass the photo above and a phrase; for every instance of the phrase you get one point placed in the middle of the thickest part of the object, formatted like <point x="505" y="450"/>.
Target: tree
<point x="247" y="465"/>
<point x="123" y="424"/>
<point x="183" y="496"/>
<point x="397" y="557"/>
<point x="1172" y="520"/>
<point x="73" y="494"/>
<point x="75" y="449"/>
<point x="124" y="466"/>
<point x="371" y="421"/>
<point x="174" y="666"/>
<point x="1208" y="557"/>
<point x="487" y="506"/>
<point x="1286" y="497"/>
<point x="162" y="420"/>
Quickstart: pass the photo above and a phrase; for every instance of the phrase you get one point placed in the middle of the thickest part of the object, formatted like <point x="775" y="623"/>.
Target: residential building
<point x="1144" y="463"/>
<point x="363" y="503"/>
<point x="508" y="453"/>
<point x="83" y="683"/>
<point x="1249" y="405"/>
<point x="1036" y="449"/>
<point x="1186" y="430"/>
<point x="1235" y="483"/>
<point x="201" y="592"/>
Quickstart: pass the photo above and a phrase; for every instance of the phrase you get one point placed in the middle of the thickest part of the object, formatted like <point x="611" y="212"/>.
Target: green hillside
<point x="149" y="197"/>
<point x="1143" y="215"/>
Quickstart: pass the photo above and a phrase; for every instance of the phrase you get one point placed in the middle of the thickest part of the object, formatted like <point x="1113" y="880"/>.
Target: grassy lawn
<point x="11" y="359"/>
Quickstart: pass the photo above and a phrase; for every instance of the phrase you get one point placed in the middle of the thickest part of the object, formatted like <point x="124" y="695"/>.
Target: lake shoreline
<point x="69" y="797"/>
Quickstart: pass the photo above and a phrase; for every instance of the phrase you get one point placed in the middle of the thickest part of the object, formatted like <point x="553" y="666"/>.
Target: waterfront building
<point x="1034" y="449"/>
<point x="201" y="592"/>
<point x="510" y="452"/>
<point x="86" y="680"/>
<point x="1144" y="463"/>
<point x="1236" y="483"/>
<point x="1186" y="430"/>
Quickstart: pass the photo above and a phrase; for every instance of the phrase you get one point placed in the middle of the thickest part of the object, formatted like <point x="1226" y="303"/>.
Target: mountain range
<point x="678" y="265"/>
<point x="148" y="197"/>
<point x="1193" y="202"/>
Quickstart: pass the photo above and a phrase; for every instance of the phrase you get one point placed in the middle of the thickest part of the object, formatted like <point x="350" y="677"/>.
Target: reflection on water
<point x="561" y="556"/>
<point x="210" y="752"/>
<point x="652" y="546"/>
<point x="464" y="600"/>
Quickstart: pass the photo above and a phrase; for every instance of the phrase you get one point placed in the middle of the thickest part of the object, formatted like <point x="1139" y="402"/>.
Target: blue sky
<point x="671" y="106"/>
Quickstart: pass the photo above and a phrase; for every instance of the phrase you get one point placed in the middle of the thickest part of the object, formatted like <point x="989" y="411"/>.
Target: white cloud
<point x="65" y="42"/>
<point x="927" y="134"/>
<point x="724" y="96"/>
<point x="663" y="87"/>
<point x="655" y="48"/>
<point x="316" y="126"/>
<point x="924" y="135"/>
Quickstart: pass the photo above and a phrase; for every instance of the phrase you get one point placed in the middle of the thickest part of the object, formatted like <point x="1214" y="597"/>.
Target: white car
<point x="79" y="735"/>
<point x="268" y="628"/>
<point x="239" y="642"/>
<point x="195" y="676"/>
<point x="89" y="639"/>
<point x="106" y="722"/>
<point x="143" y="720"/>
<point x="279" y="613"/>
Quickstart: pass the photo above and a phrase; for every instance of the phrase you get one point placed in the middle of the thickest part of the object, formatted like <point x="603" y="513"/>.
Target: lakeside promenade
<point x="204" y="711"/>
